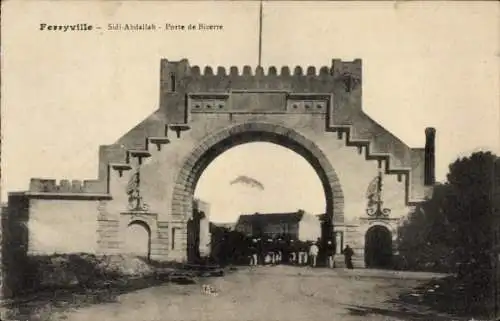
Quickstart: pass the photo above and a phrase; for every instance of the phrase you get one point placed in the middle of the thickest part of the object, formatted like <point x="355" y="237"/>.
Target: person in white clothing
<point x="313" y="254"/>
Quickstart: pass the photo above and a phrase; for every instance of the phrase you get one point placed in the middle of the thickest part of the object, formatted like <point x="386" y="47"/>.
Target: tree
<point x="426" y="237"/>
<point x="470" y="206"/>
<point x="455" y="224"/>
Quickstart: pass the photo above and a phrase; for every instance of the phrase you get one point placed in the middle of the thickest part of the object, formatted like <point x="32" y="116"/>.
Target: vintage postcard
<point x="250" y="160"/>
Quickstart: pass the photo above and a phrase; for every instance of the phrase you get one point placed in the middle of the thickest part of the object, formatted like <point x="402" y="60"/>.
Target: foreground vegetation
<point x="64" y="282"/>
<point x="453" y="231"/>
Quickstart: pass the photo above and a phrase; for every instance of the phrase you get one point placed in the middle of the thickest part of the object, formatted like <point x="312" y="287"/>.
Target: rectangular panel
<point x="208" y="103"/>
<point x="308" y="103"/>
<point x="258" y="102"/>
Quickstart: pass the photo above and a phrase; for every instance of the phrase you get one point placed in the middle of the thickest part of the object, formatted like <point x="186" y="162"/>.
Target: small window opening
<point x="173" y="238"/>
<point x="172" y="82"/>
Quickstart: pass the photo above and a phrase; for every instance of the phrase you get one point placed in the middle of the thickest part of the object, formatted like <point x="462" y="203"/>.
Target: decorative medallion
<point x="350" y="81"/>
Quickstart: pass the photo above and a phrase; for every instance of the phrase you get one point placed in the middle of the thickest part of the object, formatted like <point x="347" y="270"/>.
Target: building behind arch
<point x="298" y="225"/>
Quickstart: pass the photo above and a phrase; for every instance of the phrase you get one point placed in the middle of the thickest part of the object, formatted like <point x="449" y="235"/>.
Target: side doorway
<point x="378" y="247"/>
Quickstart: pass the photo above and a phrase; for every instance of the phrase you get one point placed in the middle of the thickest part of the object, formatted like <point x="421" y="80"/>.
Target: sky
<point x="65" y="93"/>
<point x="228" y="201"/>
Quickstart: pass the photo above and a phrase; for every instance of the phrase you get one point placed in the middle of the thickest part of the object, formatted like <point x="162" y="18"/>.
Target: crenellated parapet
<point x="179" y="76"/>
<point x="259" y="72"/>
<point x="39" y="185"/>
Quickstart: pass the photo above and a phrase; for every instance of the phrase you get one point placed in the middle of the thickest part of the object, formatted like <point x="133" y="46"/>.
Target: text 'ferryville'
<point x="64" y="28"/>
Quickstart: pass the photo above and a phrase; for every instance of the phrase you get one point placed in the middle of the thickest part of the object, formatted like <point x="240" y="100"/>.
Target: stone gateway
<point x="370" y="177"/>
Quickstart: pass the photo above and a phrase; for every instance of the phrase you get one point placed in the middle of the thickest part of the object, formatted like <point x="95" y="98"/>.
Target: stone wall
<point x="108" y="233"/>
<point x="15" y="242"/>
<point x="45" y="223"/>
<point x="62" y="226"/>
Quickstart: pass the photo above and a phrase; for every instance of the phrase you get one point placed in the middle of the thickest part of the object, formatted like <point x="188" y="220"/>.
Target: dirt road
<point x="268" y="293"/>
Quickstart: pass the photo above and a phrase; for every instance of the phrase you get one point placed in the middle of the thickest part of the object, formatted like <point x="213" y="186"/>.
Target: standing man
<point x="253" y="253"/>
<point x="348" y="253"/>
<point x="293" y="253"/>
<point x="270" y="251"/>
<point x="279" y="251"/>
<point x="313" y="253"/>
<point x="285" y="251"/>
<point x="302" y="253"/>
<point x="260" y="251"/>
<point x="330" y="252"/>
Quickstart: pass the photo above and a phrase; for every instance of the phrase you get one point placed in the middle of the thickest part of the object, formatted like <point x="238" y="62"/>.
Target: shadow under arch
<point x="148" y="231"/>
<point x="219" y="142"/>
<point x="378" y="247"/>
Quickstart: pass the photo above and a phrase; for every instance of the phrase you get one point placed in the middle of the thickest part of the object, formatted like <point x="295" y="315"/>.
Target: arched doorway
<point x="216" y="144"/>
<point x="378" y="247"/>
<point x="138" y="239"/>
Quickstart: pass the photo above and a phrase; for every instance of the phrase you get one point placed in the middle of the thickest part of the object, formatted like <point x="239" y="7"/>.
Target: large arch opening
<point x="378" y="247"/>
<point x="259" y="177"/>
<point x="257" y="190"/>
<point x="138" y="239"/>
<point x="218" y="143"/>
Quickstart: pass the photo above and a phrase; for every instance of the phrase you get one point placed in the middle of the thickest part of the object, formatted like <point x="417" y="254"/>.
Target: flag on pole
<point x="260" y="35"/>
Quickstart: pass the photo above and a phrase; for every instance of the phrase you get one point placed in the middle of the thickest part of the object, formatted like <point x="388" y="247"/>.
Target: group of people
<point x="277" y="251"/>
<point x="232" y="247"/>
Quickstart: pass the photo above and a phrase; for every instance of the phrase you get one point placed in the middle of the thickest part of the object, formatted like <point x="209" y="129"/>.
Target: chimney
<point x="429" y="171"/>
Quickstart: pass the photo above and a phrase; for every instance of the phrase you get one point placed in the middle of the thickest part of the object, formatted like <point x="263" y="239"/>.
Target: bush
<point x="80" y="270"/>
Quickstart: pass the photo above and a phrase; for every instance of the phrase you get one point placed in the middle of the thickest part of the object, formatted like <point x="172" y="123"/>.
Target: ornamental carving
<point x="375" y="208"/>
<point x="350" y="81"/>
<point x="135" y="199"/>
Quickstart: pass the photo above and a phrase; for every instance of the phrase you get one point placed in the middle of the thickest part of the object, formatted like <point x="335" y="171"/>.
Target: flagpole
<point x="260" y="34"/>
